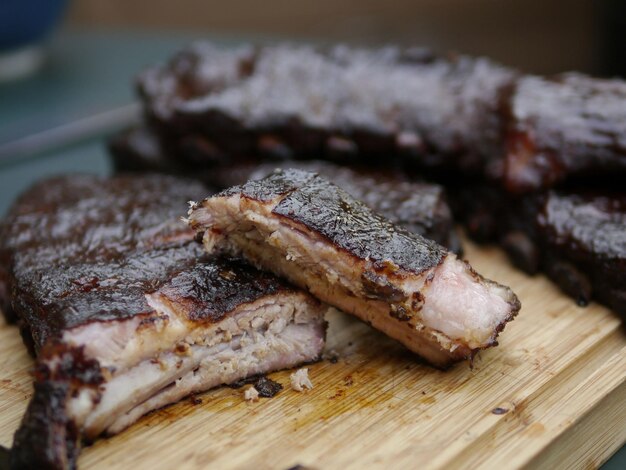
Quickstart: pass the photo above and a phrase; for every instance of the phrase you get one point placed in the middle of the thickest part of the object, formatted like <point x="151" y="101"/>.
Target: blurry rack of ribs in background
<point x="420" y="207"/>
<point x="497" y="139"/>
<point x="126" y="314"/>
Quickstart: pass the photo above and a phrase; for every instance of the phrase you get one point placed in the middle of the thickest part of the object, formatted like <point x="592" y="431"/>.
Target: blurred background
<point x="66" y="66"/>
<point x="542" y="37"/>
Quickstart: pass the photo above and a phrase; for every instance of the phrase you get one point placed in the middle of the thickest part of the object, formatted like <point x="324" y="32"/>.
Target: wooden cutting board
<point x="552" y="395"/>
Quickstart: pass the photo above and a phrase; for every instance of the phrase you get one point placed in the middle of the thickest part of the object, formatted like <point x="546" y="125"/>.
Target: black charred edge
<point x="214" y="287"/>
<point x="245" y="381"/>
<point x="515" y="304"/>
<point x="71" y="365"/>
<point x="311" y="201"/>
<point x="47" y="439"/>
<point x="267" y="387"/>
<point x="279" y="183"/>
<point x="471" y="355"/>
<point x="27" y="338"/>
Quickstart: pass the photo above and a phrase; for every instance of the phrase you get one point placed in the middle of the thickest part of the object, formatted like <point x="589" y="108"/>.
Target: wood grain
<point x="559" y="372"/>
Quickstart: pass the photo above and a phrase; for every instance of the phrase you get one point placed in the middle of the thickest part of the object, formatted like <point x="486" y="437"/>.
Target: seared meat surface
<point x="302" y="227"/>
<point x="419" y="207"/>
<point x="569" y="126"/>
<point x="343" y="103"/>
<point x="127" y="314"/>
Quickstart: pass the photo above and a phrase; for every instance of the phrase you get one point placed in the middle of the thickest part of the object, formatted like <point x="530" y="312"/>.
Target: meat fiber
<point x="419" y="207"/>
<point x="563" y="128"/>
<point x="301" y="227"/>
<point x="343" y="103"/>
<point x="127" y="314"/>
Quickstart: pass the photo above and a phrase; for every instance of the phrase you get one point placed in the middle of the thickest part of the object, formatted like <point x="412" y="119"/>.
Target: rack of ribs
<point x="419" y="207"/>
<point x="342" y="103"/>
<point x="127" y="314"/>
<point x="309" y="231"/>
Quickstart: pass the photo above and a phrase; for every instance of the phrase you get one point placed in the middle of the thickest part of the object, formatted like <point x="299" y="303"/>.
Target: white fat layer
<point x="119" y="345"/>
<point x="269" y="337"/>
<point x="459" y="308"/>
<point x="293" y="346"/>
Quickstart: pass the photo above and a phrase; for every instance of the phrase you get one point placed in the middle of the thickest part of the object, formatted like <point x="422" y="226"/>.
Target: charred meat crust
<point x="345" y="222"/>
<point x="587" y="233"/>
<point x="363" y="234"/>
<point x="95" y="262"/>
<point x="267" y="387"/>
<point x="559" y="128"/>
<point x="442" y="112"/>
<point x="77" y="294"/>
<point x="342" y="103"/>
<point x="72" y="247"/>
<point x="419" y="207"/>
<point x="209" y="290"/>
<point x="47" y="438"/>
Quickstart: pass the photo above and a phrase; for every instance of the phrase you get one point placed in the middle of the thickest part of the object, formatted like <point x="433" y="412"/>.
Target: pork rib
<point x="127" y="314"/>
<point x="344" y="103"/>
<point x="299" y="226"/>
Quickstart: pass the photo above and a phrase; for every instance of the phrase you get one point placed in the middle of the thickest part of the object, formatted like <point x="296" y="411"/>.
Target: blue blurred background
<point x="25" y="22"/>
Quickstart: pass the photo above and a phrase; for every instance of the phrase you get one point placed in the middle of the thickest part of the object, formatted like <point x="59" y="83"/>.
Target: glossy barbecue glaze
<point x="577" y="237"/>
<point x="342" y="103"/>
<point x="81" y="241"/>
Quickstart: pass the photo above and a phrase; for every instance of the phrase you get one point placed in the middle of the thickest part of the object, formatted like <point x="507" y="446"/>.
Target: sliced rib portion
<point x="304" y="228"/>
<point x="127" y="314"/>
